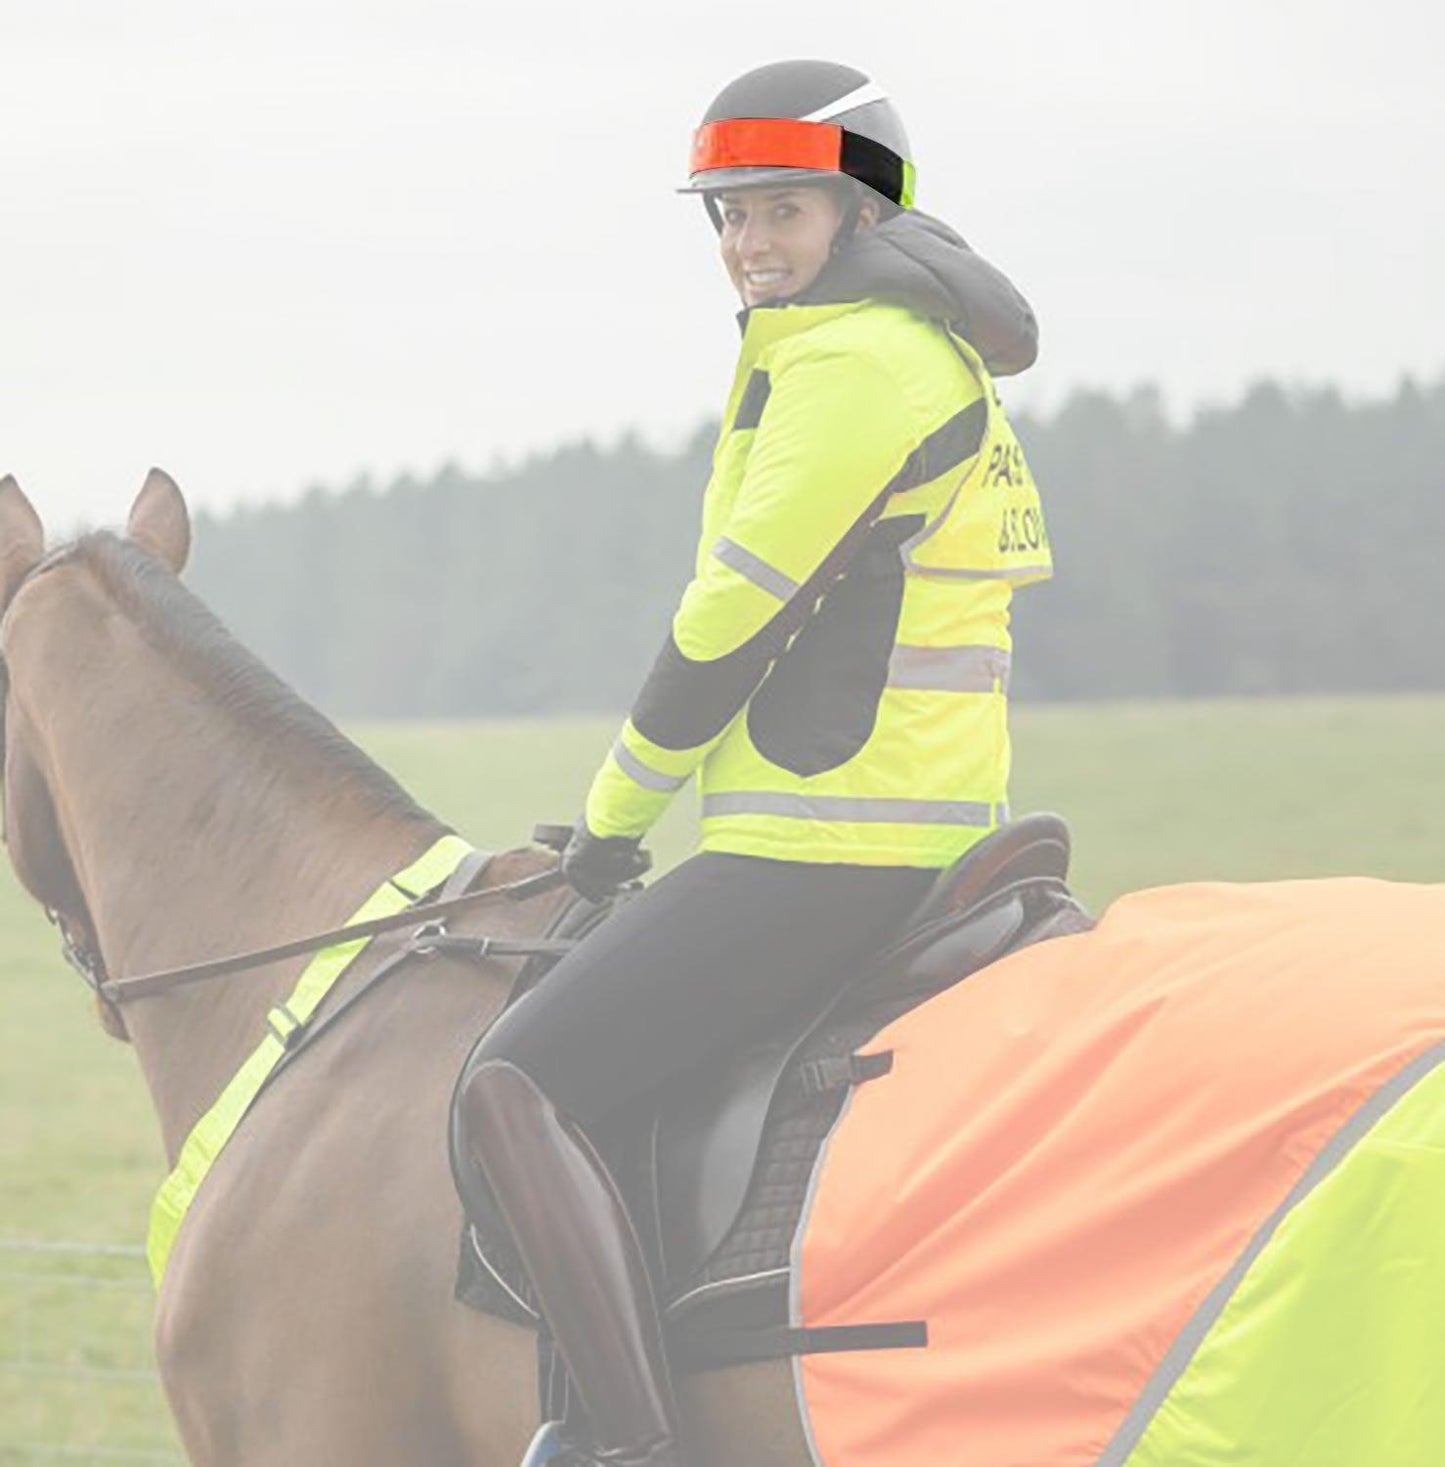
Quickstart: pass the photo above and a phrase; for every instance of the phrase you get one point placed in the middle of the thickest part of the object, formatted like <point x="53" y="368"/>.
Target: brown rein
<point x="123" y="990"/>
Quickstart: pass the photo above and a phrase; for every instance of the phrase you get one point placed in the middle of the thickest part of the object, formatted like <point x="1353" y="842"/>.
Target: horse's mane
<point x="195" y="641"/>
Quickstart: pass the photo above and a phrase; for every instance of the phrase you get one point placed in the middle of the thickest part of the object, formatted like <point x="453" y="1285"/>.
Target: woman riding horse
<point x="836" y="674"/>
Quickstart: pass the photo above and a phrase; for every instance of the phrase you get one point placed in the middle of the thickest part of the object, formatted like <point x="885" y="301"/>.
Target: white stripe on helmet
<point x="859" y="97"/>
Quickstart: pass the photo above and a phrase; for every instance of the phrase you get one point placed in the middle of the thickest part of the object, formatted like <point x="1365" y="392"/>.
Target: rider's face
<point x="775" y="241"/>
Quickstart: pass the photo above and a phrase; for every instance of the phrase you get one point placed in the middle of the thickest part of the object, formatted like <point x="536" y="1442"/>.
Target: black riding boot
<point x="585" y="1263"/>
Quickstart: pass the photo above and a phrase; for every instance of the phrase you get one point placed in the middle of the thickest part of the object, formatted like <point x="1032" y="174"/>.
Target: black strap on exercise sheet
<point x="719" y="1349"/>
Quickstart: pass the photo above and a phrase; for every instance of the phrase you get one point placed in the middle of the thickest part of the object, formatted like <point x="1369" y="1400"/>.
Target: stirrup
<point x="546" y="1446"/>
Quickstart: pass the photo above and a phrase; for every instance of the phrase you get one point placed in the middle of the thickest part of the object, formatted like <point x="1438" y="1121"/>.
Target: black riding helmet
<point x="813" y="120"/>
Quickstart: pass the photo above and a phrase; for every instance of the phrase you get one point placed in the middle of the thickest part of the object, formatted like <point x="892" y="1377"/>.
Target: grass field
<point x="1155" y="792"/>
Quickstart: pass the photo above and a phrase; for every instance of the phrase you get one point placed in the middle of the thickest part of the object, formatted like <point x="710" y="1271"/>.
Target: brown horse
<point x="170" y="800"/>
<point x="1090" y="1150"/>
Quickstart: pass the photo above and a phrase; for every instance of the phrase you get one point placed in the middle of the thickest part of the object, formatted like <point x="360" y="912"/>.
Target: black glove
<point x="596" y="865"/>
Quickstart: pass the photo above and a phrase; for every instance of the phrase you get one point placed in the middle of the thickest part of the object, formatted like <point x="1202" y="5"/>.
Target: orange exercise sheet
<point x="1075" y="1145"/>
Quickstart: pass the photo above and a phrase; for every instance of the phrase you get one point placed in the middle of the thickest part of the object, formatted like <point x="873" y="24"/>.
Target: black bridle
<point x="83" y="954"/>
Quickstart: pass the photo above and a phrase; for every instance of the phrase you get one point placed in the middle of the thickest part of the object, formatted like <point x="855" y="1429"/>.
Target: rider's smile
<point x="774" y="242"/>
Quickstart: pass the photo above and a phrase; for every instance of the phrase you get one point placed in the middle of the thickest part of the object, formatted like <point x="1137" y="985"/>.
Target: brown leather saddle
<point x="695" y="1171"/>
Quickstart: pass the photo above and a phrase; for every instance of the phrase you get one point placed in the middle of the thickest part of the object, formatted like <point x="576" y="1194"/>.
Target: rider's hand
<point x="597" y="865"/>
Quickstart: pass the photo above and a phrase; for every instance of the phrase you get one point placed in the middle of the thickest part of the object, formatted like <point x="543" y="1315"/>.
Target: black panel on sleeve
<point x="818" y="705"/>
<point x="945" y="448"/>
<point x="754" y="400"/>
<point x="684" y="704"/>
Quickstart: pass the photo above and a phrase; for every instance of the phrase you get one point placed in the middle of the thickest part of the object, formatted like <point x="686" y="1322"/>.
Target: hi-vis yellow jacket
<point x="838" y="667"/>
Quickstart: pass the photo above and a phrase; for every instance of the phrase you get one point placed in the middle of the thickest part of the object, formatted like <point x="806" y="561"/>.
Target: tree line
<point x="1289" y="543"/>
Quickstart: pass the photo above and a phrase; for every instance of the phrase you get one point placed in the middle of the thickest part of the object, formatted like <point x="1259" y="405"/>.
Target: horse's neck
<point x="192" y="1041"/>
<point x="198" y="844"/>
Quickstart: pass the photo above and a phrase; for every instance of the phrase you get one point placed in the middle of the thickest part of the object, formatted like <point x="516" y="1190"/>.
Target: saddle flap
<point x="708" y="1135"/>
<point x="722" y="1175"/>
<point x="707" y="1143"/>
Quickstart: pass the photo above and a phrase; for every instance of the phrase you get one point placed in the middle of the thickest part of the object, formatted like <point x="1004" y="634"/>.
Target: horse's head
<point x="38" y="594"/>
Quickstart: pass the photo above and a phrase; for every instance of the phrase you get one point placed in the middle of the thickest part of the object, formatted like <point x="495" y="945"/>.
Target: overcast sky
<point x="273" y="244"/>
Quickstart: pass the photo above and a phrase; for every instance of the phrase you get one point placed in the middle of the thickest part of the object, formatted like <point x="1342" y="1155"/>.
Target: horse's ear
<point x="159" y="521"/>
<point x="22" y="538"/>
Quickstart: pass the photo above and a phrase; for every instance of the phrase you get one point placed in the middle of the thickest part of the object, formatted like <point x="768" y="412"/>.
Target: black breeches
<point x="708" y="957"/>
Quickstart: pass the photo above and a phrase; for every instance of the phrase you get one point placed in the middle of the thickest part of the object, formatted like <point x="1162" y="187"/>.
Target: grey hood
<point x="917" y="261"/>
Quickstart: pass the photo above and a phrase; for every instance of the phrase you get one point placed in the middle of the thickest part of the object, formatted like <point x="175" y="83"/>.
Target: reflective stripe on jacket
<point x="838" y="667"/>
